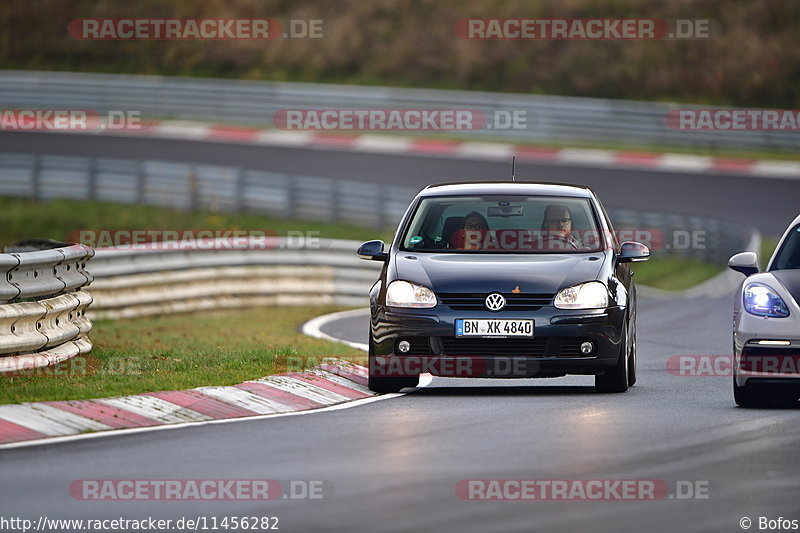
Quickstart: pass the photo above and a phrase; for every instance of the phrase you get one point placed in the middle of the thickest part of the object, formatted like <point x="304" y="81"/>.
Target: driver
<point x="557" y="226"/>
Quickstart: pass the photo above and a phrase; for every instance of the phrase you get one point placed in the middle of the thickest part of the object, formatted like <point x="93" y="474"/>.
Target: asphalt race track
<point x="394" y="464"/>
<point x="766" y="203"/>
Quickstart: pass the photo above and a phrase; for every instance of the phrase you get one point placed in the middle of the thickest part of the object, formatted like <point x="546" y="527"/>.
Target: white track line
<point x="312" y="328"/>
<point x="129" y="431"/>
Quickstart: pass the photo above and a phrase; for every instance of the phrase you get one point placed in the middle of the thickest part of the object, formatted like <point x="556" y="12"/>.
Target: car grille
<point x="536" y="347"/>
<point x="477" y="301"/>
<point x="770" y="360"/>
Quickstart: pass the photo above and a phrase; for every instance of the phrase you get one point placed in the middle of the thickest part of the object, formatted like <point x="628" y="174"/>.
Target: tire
<point x="616" y="378"/>
<point x="745" y="397"/>
<point x="383" y="384"/>
<point x="632" y="359"/>
<point x="748" y="397"/>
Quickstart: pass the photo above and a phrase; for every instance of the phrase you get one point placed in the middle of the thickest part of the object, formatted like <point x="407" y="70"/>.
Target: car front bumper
<point x="766" y="351"/>
<point x="552" y="351"/>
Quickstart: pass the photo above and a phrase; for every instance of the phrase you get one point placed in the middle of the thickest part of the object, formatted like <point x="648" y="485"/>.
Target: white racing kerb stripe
<point x="603" y="158"/>
<point x="183" y="130"/>
<point x="155" y="409"/>
<point x="485" y="150"/>
<point x="284" y="138"/>
<point x="304" y="389"/>
<point x="776" y="168"/>
<point x="48" y="419"/>
<point x="684" y="163"/>
<point x="243" y="398"/>
<point x="339" y="380"/>
<point x="381" y="143"/>
<point x="492" y="151"/>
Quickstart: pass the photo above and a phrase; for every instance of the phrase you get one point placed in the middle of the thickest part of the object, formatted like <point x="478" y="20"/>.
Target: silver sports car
<point x="766" y="326"/>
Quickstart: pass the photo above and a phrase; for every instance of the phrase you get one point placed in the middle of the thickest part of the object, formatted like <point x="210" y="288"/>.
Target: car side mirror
<point x="744" y="262"/>
<point x="372" y="250"/>
<point x="633" y="252"/>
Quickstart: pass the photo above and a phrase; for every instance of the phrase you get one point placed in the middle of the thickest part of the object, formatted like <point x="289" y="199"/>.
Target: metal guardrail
<point x="231" y="189"/>
<point x="42" y="307"/>
<point x="189" y="186"/>
<point x="41" y="273"/>
<point x="549" y="118"/>
<point x="141" y="281"/>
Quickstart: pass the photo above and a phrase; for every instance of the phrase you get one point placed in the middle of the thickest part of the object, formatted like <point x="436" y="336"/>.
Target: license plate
<point x="493" y="328"/>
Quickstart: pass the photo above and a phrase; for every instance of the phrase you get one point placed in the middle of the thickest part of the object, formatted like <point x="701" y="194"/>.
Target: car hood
<point x="481" y="273"/>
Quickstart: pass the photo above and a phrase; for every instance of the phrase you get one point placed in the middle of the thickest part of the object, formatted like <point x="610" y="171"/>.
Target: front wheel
<point x="745" y="397"/>
<point x="384" y="384"/>
<point x="616" y="378"/>
<point x="632" y="359"/>
<point x="748" y="397"/>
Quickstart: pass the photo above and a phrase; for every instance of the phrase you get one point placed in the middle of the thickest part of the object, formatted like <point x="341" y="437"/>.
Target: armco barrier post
<point x="35" y="176"/>
<point x="91" y="180"/>
<point x="140" y="183"/>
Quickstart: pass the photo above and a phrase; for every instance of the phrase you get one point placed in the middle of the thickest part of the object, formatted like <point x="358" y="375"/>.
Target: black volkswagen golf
<point x="503" y="280"/>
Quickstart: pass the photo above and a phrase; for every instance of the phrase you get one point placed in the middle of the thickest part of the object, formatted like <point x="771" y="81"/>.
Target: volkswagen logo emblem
<point x="495" y="301"/>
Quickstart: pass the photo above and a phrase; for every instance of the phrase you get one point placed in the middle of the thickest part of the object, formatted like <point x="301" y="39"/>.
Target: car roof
<point x="533" y="188"/>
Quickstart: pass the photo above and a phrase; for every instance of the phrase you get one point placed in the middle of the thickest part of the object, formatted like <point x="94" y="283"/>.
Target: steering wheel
<point x="558" y="236"/>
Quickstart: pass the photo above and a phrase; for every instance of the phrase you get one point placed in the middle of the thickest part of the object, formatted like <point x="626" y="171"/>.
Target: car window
<point x="788" y="257"/>
<point x="503" y="224"/>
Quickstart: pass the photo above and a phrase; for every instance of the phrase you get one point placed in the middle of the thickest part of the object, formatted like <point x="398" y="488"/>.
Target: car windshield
<point x="501" y="224"/>
<point x="789" y="255"/>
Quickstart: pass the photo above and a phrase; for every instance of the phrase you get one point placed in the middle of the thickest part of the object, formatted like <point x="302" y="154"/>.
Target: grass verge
<point x="673" y="273"/>
<point x="58" y="219"/>
<point x="177" y="352"/>
<point x="768" y="246"/>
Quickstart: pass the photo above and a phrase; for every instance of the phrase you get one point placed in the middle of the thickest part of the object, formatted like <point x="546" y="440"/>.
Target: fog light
<point x="404" y="346"/>
<point x="587" y="348"/>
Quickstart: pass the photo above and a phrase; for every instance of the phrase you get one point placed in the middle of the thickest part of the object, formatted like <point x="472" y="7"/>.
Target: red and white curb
<point x="491" y="151"/>
<point x="332" y="383"/>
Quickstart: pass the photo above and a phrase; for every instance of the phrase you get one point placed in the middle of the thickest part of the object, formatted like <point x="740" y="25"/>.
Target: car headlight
<point x="591" y="295"/>
<point x="762" y="300"/>
<point x="405" y="294"/>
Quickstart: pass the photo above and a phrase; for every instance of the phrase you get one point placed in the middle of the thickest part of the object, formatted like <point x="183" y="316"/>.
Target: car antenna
<point x="513" y="167"/>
